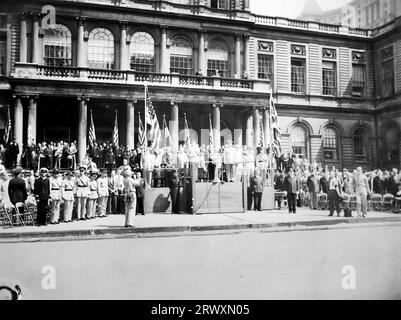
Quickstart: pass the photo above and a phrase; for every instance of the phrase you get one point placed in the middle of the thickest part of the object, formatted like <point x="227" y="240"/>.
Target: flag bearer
<point x="55" y="196"/>
<point x="67" y="195"/>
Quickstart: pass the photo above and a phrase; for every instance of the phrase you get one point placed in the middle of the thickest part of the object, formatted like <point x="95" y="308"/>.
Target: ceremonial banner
<point x="166" y="133"/>
<point x="275" y="130"/>
<point x="141" y="132"/>
<point x="186" y="128"/>
<point x="92" y="134"/>
<point x="116" y="142"/>
<point x="262" y="142"/>
<point x="8" y="128"/>
<point x="30" y="135"/>
<point x="153" y="127"/>
<point x="211" y="139"/>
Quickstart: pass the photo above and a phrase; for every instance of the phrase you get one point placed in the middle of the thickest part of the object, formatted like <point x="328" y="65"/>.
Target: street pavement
<point x="251" y="264"/>
<point x="157" y="223"/>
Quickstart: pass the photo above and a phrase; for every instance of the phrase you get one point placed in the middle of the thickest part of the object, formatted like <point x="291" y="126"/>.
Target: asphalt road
<point x="248" y="265"/>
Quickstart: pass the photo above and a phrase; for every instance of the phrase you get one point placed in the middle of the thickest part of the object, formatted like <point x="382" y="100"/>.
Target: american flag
<point x="166" y="133"/>
<point x="141" y="132"/>
<point x="154" y="132"/>
<point x="262" y="142"/>
<point x="211" y="138"/>
<point x="116" y="142"/>
<point x="276" y="132"/>
<point x="92" y="134"/>
<point x="30" y="135"/>
<point x="186" y="128"/>
<point x="8" y="128"/>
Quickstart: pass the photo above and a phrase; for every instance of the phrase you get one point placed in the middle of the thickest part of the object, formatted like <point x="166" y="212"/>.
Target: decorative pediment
<point x="359" y="57"/>
<point x="329" y="53"/>
<point x="265" y="46"/>
<point x="298" y="50"/>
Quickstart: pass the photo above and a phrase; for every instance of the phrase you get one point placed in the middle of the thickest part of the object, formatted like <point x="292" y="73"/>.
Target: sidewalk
<point x="167" y="223"/>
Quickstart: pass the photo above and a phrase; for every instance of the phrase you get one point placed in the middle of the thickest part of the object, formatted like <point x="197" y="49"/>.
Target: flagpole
<point x="271" y="139"/>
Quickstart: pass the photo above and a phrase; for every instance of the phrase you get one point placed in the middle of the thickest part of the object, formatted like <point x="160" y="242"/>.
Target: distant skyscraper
<point x="358" y="13"/>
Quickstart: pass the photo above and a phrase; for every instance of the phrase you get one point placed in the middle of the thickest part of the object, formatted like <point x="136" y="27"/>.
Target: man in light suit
<point x="292" y="186"/>
<point x="257" y="188"/>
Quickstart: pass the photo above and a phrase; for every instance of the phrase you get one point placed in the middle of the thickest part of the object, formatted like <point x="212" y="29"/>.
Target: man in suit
<point x="313" y="186"/>
<point x="257" y="190"/>
<point x="14" y="150"/>
<point x="292" y="186"/>
<point x="42" y="195"/>
<point x="17" y="188"/>
<point x="140" y="193"/>
<point x="174" y="185"/>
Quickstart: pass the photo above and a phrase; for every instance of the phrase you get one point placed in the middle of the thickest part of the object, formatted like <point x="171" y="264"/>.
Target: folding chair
<point x="322" y="201"/>
<point x="375" y="202"/>
<point x="388" y="200"/>
<point x="29" y="217"/>
<point x="352" y="201"/>
<point x="16" y="217"/>
<point x="6" y="219"/>
<point x="32" y="211"/>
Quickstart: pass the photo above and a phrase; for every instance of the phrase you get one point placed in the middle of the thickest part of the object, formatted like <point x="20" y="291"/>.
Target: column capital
<point x="237" y="36"/>
<point x="202" y="31"/>
<point x="80" y="20"/>
<point x="132" y="100"/>
<point x="83" y="98"/>
<point x="217" y="105"/>
<point x="24" y="15"/>
<point x="246" y="36"/>
<point x="174" y="102"/>
<point x="163" y="27"/>
<point x="36" y="16"/>
<point x="123" y="25"/>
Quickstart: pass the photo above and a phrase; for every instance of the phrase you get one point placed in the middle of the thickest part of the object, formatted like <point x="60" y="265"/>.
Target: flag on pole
<point x="211" y="138"/>
<point x="116" y="141"/>
<point x="141" y="132"/>
<point x="166" y="133"/>
<point x="154" y="132"/>
<point x="186" y="129"/>
<point x="275" y="129"/>
<point x="8" y="128"/>
<point x="92" y="134"/>
<point x="30" y="135"/>
<point x="262" y="142"/>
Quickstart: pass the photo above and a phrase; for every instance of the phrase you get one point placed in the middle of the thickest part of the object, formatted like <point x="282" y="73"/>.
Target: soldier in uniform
<point x="55" y="196"/>
<point x="103" y="192"/>
<point x="361" y="187"/>
<point x="67" y="195"/>
<point x="92" y="196"/>
<point x="42" y="193"/>
<point x="82" y="191"/>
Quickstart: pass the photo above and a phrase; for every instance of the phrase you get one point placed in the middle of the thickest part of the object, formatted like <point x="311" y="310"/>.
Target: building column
<point x="164" y="66"/>
<point x="246" y="53"/>
<point x="18" y="124"/>
<point x="36" y="45"/>
<point x="249" y="131"/>
<point x="238" y="129"/>
<point x="32" y="117"/>
<point x="256" y="127"/>
<point x="130" y="133"/>
<point x="23" y="43"/>
<point x="124" y="65"/>
<point x="266" y="128"/>
<point x="216" y="125"/>
<point x="201" y="56"/>
<point x="237" y="54"/>
<point x="173" y="125"/>
<point x="80" y="42"/>
<point x="82" y="127"/>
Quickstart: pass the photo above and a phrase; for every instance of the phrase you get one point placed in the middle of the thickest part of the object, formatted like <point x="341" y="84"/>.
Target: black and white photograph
<point x="200" y="150"/>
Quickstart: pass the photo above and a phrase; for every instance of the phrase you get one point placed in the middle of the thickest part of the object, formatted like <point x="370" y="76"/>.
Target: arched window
<point x="101" y="49"/>
<point x="392" y="142"/>
<point x="218" y="60"/>
<point x="330" y="144"/>
<point x="181" y="56"/>
<point x="142" y="52"/>
<point x="361" y="138"/>
<point x="57" y="46"/>
<point x="299" y="141"/>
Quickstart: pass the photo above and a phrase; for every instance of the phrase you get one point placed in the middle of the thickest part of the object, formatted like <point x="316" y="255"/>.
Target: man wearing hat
<point x="17" y="187"/>
<point x="103" y="192"/>
<point x="55" y="196"/>
<point x="67" y="194"/>
<point x="93" y="195"/>
<point x="82" y="191"/>
<point x="41" y="190"/>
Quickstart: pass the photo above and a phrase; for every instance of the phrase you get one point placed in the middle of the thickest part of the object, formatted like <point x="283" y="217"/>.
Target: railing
<point x="63" y="72"/>
<point x="298" y="24"/>
<point x="195" y="80"/>
<point x="329" y="28"/>
<point x="359" y="32"/>
<point x="152" y="77"/>
<point x="383" y="29"/>
<point x="107" y="74"/>
<point x="266" y="20"/>
<point x="237" y="83"/>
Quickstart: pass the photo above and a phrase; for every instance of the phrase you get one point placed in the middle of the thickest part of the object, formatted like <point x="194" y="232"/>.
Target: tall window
<point x="358" y="80"/>
<point x="218" y="4"/>
<point x="330" y="145"/>
<point x="329" y="78"/>
<point x="298" y="141"/>
<point x="387" y="71"/>
<point x="217" y="60"/>
<point x="181" y="56"/>
<point x="361" y="144"/>
<point x="57" y="46"/>
<point x="101" y="49"/>
<point x="265" y="66"/>
<point x="392" y="141"/>
<point x="298" y="75"/>
<point x="2" y="58"/>
<point x="142" y="52"/>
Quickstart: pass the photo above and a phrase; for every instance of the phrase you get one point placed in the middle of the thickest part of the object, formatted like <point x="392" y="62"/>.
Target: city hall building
<point x="337" y="89"/>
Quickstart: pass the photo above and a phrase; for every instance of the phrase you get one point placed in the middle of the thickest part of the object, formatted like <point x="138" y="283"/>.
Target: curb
<point x="188" y="229"/>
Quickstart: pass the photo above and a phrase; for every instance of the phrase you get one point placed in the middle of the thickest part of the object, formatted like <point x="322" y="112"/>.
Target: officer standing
<point x="55" y="196"/>
<point x="361" y="187"/>
<point x="67" y="194"/>
<point x="103" y="192"/>
<point x="174" y="185"/>
<point x="82" y="191"/>
<point x="42" y="194"/>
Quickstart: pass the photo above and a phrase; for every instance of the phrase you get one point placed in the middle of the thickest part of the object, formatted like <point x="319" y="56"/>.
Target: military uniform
<point x="55" y="197"/>
<point x="361" y="190"/>
<point x="103" y="192"/>
<point x="42" y="193"/>
<point x="82" y="191"/>
<point x="67" y="194"/>
<point x="92" y="199"/>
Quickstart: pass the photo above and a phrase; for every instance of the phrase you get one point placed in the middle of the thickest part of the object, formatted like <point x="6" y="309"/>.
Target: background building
<point x="337" y="89"/>
<point x="358" y="13"/>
